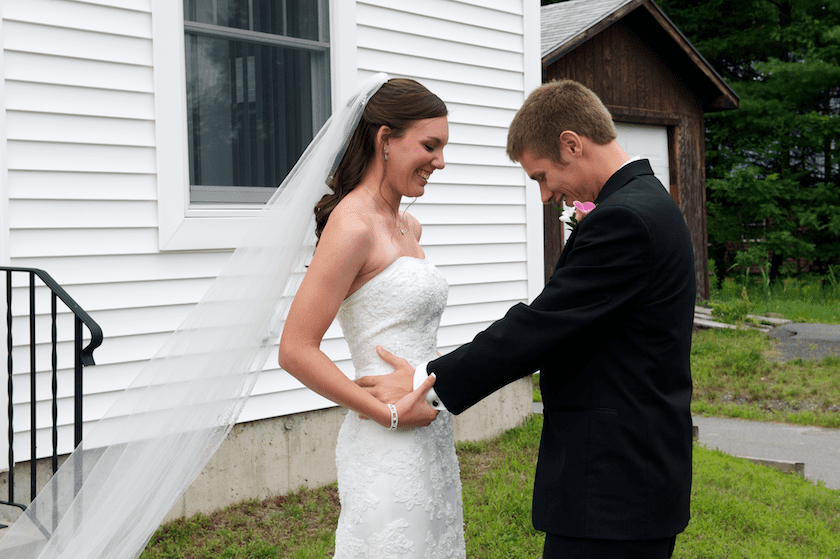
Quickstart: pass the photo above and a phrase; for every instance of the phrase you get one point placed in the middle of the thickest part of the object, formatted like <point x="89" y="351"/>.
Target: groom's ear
<point x="569" y="143"/>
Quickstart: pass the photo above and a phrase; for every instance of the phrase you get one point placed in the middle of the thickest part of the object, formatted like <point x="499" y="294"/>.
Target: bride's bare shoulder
<point x="350" y="218"/>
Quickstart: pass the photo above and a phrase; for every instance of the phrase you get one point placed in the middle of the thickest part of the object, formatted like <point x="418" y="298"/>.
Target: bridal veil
<point x="113" y="491"/>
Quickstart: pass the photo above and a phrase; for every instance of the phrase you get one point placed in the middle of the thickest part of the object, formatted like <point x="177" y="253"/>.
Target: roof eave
<point x="588" y="33"/>
<point x="727" y="99"/>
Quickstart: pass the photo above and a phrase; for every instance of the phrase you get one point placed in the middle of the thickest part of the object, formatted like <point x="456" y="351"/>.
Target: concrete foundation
<point x="279" y="455"/>
<point x="274" y="456"/>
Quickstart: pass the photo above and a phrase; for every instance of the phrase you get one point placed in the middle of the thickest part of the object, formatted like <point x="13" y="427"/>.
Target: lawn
<point x="739" y="509"/>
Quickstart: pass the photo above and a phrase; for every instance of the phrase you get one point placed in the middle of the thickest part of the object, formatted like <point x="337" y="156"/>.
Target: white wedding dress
<point x="400" y="491"/>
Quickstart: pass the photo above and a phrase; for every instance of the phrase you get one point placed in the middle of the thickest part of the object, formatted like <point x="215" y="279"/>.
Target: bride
<point x="398" y="477"/>
<point x="400" y="490"/>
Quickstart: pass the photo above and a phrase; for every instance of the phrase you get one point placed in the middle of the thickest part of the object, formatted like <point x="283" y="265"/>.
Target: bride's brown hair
<point x="397" y="104"/>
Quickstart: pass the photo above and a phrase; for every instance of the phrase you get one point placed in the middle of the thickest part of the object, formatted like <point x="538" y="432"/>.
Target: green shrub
<point x="733" y="312"/>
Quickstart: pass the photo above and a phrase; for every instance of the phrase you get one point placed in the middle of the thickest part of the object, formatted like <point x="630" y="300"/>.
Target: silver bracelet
<point x="394" y="420"/>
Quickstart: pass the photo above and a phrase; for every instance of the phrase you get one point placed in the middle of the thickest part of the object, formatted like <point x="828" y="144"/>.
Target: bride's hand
<point x="393" y="386"/>
<point x="413" y="410"/>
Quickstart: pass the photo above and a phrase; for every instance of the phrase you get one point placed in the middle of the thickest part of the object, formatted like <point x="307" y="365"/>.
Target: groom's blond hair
<point x="550" y="110"/>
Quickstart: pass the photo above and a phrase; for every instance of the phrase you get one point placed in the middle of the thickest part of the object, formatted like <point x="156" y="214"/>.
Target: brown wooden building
<point x="657" y="87"/>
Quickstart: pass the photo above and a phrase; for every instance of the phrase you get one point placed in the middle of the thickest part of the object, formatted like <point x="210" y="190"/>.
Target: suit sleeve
<point x="605" y="271"/>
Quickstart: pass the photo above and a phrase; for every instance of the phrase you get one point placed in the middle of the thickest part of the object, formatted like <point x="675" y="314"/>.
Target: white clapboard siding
<point x="106" y="296"/>
<point x="66" y="214"/>
<point x="88" y="241"/>
<point x="83" y="187"/>
<point x="53" y="128"/>
<point x="494" y="119"/>
<point x="51" y="185"/>
<point x="484" y="273"/>
<point x="292" y="401"/>
<point x="475" y="134"/>
<point x="132" y="351"/>
<point x="43" y="438"/>
<point x="473" y="213"/>
<point x="80" y="128"/>
<point x="447" y="193"/>
<point x="66" y="71"/>
<point x="73" y="43"/>
<point x="440" y="214"/>
<point x="36" y="97"/>
<point x="83" y="270"/>
<point x="471" y="55"/>
<point x="477" y="254"/>
<point x="79" y="158"/>
<point x="500" y="16"/>
<point x="452" y="337"/>
<point x="477" y="174"/>
<point x="123" y="18"/>
<point x="433" y="24"/>
<point x="474" y="234"/>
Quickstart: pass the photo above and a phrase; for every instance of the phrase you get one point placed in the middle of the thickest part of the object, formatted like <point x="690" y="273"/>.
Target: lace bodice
<point x="400" y="310"/>
<point x="400" y="491"/>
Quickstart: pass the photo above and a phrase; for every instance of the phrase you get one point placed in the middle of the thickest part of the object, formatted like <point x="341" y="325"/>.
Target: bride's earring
<point x="384" y="154"/>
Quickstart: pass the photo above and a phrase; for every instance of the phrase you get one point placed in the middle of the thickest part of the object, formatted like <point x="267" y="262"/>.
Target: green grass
<point x="806" y="299"/>
<point x="735" y="376"/>
<point x="736" y="373"/>
<point x="739" y="510"/>
<point x="300" y="526"/>
<point x="498" y="481"/>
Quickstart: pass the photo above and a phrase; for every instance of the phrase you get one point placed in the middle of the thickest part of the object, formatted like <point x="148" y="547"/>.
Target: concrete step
<point x="703" y="319"/>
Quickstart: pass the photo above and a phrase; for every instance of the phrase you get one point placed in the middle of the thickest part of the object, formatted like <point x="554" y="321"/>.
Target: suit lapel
<point x="566" y="248"/>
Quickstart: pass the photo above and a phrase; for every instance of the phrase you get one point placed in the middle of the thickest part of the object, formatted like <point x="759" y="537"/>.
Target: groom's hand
<point x="393" y="386"/>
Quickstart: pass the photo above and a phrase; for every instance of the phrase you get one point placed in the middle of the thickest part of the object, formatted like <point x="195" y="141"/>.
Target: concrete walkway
<point x="817" y="448"/>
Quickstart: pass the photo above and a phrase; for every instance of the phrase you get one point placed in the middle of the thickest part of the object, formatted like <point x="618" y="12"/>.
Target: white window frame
<point x="181" y="225"/>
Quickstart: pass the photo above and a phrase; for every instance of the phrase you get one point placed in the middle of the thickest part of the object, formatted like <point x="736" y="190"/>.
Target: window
<point x="257" y="74"/>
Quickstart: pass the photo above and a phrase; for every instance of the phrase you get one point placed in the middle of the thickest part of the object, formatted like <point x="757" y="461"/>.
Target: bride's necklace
<point x="397" y="219"/>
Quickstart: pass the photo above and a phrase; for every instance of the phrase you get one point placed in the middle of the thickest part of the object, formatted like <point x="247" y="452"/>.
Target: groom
<point x="610" y="334"/>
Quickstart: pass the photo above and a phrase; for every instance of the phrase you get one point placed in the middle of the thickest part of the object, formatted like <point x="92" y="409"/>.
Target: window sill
<point x="209" y="229"/>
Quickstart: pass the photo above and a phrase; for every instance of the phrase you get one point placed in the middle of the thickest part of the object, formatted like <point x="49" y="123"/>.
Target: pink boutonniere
<point x="576" y="213"/>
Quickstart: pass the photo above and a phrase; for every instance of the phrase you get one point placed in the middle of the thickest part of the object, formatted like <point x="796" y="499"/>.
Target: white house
<point x="130" y="165"/>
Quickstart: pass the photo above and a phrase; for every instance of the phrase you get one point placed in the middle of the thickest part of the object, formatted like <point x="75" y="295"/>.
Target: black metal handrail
<point x="83" y="357"/>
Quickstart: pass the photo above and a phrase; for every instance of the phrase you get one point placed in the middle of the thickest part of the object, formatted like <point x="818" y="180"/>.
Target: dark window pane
<point x="303" y="19"/>
<point x="300" y="18"/>
<point x="249" y="111"/>
<point x="227" y="13"/>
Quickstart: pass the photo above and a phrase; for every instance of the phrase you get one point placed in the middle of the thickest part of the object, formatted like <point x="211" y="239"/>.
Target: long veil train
<point x="111" y="494"/>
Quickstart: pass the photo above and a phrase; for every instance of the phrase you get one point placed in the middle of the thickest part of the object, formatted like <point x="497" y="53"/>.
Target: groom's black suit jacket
<point x="611" y="335"/>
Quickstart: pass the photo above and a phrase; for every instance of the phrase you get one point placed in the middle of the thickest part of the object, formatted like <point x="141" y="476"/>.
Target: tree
<point x="772" y="166"/>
